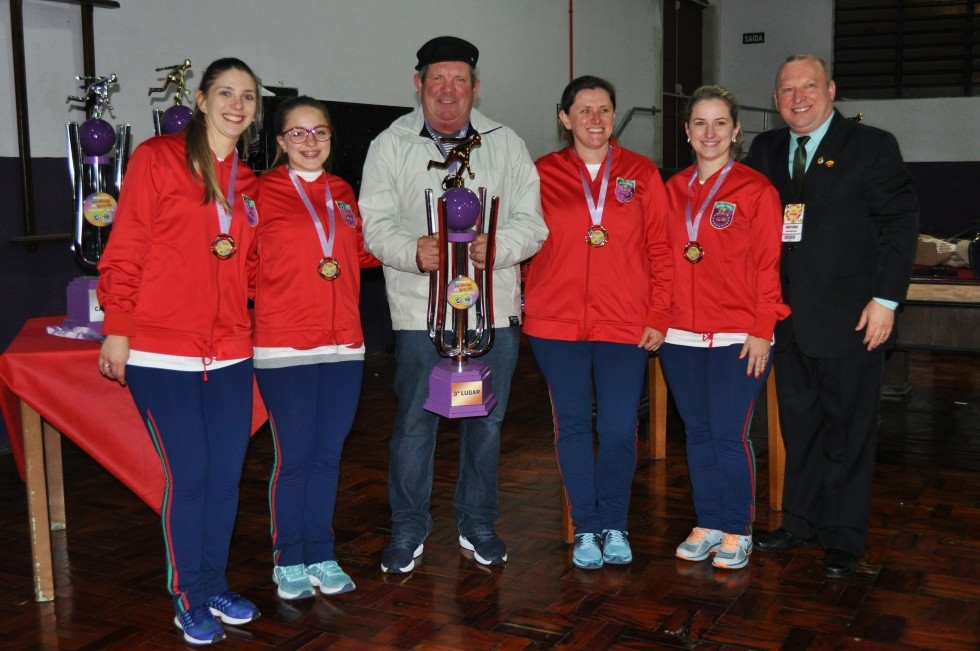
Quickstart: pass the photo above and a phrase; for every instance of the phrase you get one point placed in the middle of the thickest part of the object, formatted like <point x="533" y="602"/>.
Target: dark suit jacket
<point x="860" y="227"/>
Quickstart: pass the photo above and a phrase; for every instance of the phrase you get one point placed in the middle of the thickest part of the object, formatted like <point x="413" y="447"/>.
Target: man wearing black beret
<point x="392" y="201"/>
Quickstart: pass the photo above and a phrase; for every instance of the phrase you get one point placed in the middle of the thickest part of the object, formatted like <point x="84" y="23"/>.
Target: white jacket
<point x="392" y="205"/>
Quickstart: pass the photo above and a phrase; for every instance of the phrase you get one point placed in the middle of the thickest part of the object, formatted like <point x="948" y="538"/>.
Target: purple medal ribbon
<point x="326" y="242"/>
<point x="224" y="216"/>
<point x="695" y="224"/>
<point x="596" y="210"/>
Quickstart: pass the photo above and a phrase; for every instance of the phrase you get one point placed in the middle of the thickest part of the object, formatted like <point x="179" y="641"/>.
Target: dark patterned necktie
<point x="799" y="162"/>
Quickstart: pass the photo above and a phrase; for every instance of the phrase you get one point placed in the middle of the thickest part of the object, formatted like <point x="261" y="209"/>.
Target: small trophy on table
<point x="97" y="157"/>
<point x="175" y="118"/>
<point x="460" y="386"/>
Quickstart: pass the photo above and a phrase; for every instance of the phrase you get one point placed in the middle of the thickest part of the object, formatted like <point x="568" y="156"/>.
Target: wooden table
<point x="50" y="386"/>
<point x="939" y="314"/>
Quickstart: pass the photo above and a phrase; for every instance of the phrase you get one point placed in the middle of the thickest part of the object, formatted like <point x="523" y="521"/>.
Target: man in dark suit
<point x="849" y="233"/>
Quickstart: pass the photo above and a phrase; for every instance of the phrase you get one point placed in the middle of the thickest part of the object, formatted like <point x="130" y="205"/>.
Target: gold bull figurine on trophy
<point x="459" y="154"/>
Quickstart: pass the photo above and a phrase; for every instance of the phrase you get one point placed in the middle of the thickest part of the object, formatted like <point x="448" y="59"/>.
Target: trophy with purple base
<point x="459" y="385"/>
<point x="175" y="118"/>
<point x="97" y="157"/>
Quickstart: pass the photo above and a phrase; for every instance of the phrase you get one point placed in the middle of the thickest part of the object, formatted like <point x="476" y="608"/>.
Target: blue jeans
<point x="598" y="484"/>
<point x="413" y="442"/>
<point x="716" y="399"/>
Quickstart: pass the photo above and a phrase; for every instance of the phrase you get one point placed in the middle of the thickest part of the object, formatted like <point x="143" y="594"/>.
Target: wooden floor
<point x="918" y="586"/>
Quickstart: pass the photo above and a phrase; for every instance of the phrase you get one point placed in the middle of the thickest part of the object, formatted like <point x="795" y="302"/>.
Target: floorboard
<point x="918" y="586"/>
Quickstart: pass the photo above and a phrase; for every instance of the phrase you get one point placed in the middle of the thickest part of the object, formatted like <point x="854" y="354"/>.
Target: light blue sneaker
<point x="199" y="626"/>
<point x="232" y="608"/>
<point x="700" y="544"/>
<point x="616" y="547"/>
<point x="292" y="581"/>
<point x="330" y="578"/>
<point x="586" y="553"/>
<point x="733" y="552"/>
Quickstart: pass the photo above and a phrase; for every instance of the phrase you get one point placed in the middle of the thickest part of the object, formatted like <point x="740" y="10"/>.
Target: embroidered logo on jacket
<point x="722" y="214"/>
<point x="347" y="214"/>
<point x="625" y="189"/>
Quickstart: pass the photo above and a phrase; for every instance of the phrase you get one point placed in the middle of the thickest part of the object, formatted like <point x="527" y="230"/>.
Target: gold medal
<point x="693" y="252"/>
<point x="329" y="268"/>
<point x="223" y="246"/>
<point x="597" y="236"/>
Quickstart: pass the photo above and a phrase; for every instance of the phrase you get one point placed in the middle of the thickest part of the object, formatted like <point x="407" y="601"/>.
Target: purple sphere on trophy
<point x="175" y="119"/>
<point x="97" y="137"/>
<point x="462" y="210"/>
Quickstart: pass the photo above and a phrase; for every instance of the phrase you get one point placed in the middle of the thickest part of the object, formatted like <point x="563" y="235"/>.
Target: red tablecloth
<point x="59" y="379"/>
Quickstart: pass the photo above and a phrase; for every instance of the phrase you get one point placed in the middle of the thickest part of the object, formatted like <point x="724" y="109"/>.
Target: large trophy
<point x="458" y="385"/>
<point x="97" y="156"/>
<point x="175" y="118"/>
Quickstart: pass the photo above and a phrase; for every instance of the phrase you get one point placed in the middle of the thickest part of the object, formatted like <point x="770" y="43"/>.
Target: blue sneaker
<point x="232" y="608"/>
<point x="329" y="577"/>
<point x="399" y="557"/>
<point x="199" y="626"/>
<point x="586" y="553"/>
<point x="487" y="547"/>
<point x="616" y="547"/>
<point x="293" y="581"/>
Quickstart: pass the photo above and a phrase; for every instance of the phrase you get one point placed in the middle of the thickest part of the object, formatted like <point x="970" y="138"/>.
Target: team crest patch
<point x="251" y="212"/>
<point x="625" y="189"/>
<point x="347" y="214"/>
<point x="722" y="214"/>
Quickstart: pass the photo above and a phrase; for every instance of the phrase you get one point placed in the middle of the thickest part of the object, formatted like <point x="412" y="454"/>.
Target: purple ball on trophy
<point x="97" y="137"/>
<point x="175" y="119"/>
<point x="462" y="208"/>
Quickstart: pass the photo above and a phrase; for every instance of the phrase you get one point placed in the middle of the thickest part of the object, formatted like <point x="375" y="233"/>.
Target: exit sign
<point x="751" y="38"/>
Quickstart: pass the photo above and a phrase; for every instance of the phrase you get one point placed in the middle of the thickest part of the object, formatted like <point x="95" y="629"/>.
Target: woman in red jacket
<point x="596" y="302"/>
<point x="724" y="227"/>
<point x="174" y="289"/>
<point x="309" y="348"/>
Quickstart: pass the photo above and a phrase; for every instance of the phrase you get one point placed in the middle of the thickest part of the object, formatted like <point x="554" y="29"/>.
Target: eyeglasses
<point x="298" y="136"/>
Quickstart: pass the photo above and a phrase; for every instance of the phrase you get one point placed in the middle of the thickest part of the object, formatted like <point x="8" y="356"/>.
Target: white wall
<point x="344" y="50"/>
<point x="364" y="51"/>
<point x="928" y="130"/>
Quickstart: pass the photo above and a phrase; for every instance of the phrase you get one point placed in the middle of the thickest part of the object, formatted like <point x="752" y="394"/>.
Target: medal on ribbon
<point x="597" y="236"/>
<point x="329" y="268"/>
<point x="693" y="251"/>
<point x="223" y="246"/>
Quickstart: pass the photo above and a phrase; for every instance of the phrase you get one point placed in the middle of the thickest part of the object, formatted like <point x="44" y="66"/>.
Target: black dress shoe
<point x="779" y="540"/>
<point x="839" y="564"/>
